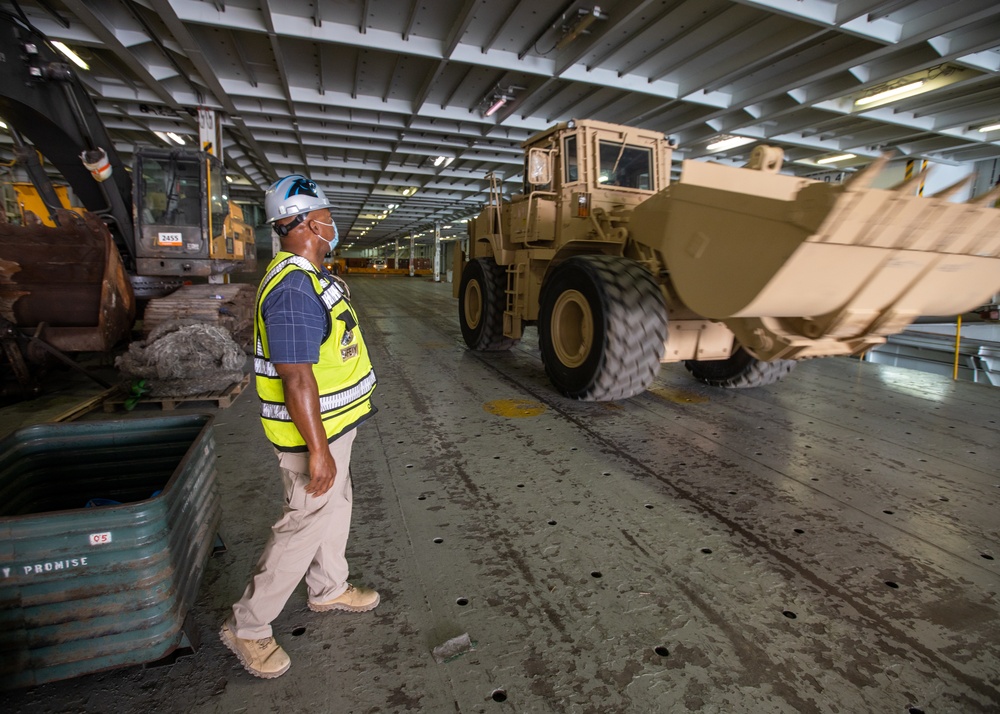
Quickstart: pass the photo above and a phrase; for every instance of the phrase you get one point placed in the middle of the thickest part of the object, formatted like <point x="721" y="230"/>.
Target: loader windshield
<point x="625" y="165"/>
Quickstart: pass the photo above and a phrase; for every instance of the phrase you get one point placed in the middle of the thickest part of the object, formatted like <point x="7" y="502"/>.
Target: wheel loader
<point x="736" y="272"/>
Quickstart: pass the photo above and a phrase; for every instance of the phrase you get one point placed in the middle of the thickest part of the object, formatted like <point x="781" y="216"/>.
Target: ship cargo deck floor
<point x="828" y="544"/>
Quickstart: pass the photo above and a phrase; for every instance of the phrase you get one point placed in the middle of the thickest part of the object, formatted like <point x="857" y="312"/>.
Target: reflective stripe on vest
<point x="344" y="374"/>
<point x="328" y="403"/>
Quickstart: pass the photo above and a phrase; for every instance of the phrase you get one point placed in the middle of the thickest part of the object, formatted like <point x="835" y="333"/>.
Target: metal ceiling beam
<point x="788" y="41"/>
<point x="280" y="63"/>
<point x="392" y="77"/>
<point x="99" y="26"/>
<point x="112" y="69"/>
<point x="709" y="16"/>
<point x="423" y="92"/>
<point x="708" y="47"/>
<point x="528" y="99"/>
<point x="502" y="27"/>
<point x="843" y="65"/>
<point x="247" y="69"/>
<point x="616" y="47"/>
<point x="565" y="111"/>
<point x="414" y="6"/>
<point x="473" y="56"/>
<point x="363" y="26"/>
<point x="462" y="22"/>
<point x="164" y="9"/>
<point x="621" y="16"/>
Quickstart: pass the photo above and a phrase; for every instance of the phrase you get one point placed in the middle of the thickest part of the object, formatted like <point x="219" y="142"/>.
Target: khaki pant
<point x="309" y="539"/>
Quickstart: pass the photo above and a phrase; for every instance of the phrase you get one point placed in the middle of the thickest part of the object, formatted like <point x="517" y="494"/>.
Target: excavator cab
<point x="182" y="215"/>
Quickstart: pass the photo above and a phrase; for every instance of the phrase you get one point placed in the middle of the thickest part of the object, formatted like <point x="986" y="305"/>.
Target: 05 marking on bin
<point x="100" y="538"/>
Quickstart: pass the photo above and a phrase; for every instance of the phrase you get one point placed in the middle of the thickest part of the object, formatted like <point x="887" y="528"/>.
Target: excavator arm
<point x="44" y="101"/>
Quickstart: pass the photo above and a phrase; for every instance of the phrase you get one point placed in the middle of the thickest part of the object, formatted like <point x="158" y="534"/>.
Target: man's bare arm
<point x="302" y="400"/>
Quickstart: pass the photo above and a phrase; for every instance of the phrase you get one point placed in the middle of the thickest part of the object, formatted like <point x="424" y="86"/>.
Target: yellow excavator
<point x="72" y="285"/>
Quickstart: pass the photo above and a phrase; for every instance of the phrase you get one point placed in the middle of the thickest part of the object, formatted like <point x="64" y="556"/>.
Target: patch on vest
<point x="349" y="353"/>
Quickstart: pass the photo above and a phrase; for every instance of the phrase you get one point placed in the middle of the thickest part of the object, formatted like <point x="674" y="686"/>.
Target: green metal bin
<point x="84" y="589"/>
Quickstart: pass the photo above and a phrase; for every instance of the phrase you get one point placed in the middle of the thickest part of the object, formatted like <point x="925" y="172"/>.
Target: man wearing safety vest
<point x="315" y="383"/>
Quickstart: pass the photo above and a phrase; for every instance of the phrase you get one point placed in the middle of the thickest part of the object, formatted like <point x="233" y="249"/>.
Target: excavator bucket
<point x="799" y="268"/>
<point x="65" y="285"/>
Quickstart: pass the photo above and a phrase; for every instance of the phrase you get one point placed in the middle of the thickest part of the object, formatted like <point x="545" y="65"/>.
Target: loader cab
<point x="587" y="156"/>
<point x="578" y="170"/>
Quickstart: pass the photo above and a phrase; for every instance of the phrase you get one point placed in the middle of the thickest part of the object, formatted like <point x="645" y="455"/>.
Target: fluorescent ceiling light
<point x="71" y="55"/>
<point x="439" y="160"/>
<point x="495" y="107"/>
<point x="984" y="129"/>
<point x="164" y="137"/>
<point x="3" y="125"/>
<point x="176" y="137"/>
<point x="834" y="159"/>
<point x="729" y="143"/>
<point x="894" y="92"/>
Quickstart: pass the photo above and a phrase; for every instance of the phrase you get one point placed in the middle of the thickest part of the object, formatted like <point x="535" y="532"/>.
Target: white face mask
<point x="336" y="234"/>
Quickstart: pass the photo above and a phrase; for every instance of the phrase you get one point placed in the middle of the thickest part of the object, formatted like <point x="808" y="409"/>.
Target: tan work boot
<point x="351" y="600"/>
<point x="262" y="658"/>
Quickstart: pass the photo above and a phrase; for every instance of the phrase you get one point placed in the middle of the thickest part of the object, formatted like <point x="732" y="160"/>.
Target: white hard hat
<point x="293" y="195"/>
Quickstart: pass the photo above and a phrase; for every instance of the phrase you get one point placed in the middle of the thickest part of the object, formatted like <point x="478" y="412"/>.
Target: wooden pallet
<point x="221" y="399"/>
<point x="86" y="406"/>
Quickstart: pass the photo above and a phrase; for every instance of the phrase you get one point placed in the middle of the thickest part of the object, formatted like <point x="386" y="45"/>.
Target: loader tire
<point x="481" y="302"/>
<point x="602" y="324"/>
<point x="741" y="370"/>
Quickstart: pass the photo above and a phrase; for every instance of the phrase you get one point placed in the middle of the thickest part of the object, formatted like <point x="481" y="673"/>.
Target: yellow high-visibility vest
<point x="344" y="373"/>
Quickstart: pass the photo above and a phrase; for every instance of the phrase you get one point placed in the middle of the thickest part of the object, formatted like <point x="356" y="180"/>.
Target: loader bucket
<point x="68" y="283"/>
<point x="829" y="268"/>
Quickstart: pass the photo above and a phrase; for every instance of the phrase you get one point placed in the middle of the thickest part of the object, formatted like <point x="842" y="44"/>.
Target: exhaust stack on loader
<point x="737" y="272"/>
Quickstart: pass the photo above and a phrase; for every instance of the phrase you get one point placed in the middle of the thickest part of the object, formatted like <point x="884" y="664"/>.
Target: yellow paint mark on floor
<point x="678" y="396"/>
<point x="514" y="408"/>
